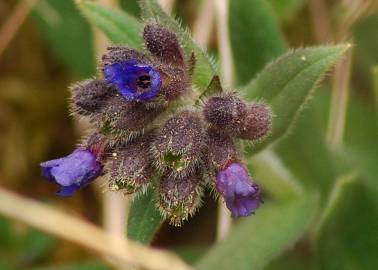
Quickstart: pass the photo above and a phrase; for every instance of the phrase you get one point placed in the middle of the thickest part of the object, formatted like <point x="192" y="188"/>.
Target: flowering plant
<point x="171" y="130"/>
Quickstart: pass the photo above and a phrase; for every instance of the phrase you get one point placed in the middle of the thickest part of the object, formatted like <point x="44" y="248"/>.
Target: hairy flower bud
<point x="241" y="194"/>
<point x="175" y="82"/>
<point x="257" y="122"/>
<point x="88" y="97"/>
<point x="225" y="112"/>
<point x="99" y="145"/>
<point x="124" y="120"/>
<point x="117" y="54"/>
<point x="179" y="197"/>
<point x="130" y="166"/>
<point x="163" y="44"/>
<point x="180" y="143"/>
<point x="220" y="148"/>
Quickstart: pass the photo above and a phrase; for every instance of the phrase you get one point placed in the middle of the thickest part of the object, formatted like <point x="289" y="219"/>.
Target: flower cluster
<point x="147" y="135"/>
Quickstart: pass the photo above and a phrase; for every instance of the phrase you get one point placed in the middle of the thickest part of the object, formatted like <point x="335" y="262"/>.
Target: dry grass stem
<point x="85" y="234"/>
<point x="14" y="22"/>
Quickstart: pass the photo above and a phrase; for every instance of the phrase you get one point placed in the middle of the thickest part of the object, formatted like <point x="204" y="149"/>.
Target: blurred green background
<point x="52" y="47"/>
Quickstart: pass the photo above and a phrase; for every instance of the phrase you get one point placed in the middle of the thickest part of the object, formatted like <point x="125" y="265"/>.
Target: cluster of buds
<point x="145" y="134"/>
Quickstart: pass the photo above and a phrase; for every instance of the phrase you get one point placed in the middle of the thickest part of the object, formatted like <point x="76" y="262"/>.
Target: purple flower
<point x="134" y="81"/>
<point x="241" y="194"/>
<point x="73" y="171"/>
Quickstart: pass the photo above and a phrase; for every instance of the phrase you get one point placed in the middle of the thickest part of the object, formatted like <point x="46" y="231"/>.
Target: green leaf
<point x="144" y="219"/>
<point x="276" y="180"/>
<point x="287" y="83"/>
<point x="119" y="26"/>
<point x="375" y="86"/>
<point x="315" y="163"/>
<point x="348" y="239"/>
<point x="341" y="184"/>
<point x="23" y="247"/>
<point x="68" y="34"/>
<point x="257" y="240"/>
<point x="365" y="54"/>
<point x="191" y="254"/>
<point x="130" y="6"/>
<point x="205" y="69"/>
<point x="76" y="266"/>
<point x="255" y="37"/>
<point x="6" y="234"/>
<point x="36" y="245"/>
<point x="360" y="149"/>
<point x="214" y="88"/>
<point x="286" y="9"/>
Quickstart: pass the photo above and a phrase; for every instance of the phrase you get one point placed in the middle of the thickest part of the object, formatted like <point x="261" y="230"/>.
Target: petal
<point x="48" y="165"/>
<point x="241" y="194"/>
<point x="67" y="191"/>
<point x="125" y="75"/>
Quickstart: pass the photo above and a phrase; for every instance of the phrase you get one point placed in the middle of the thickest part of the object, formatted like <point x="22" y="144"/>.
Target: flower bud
<point x="163" y="44"/>
<point x="117" y="54"/>
<point x="124" y="120"/>
<point x="88" y="97"/>
<point x="175" y="82"/>
<point x="179" y="145"/>
<point x="130" y="166"/>
<point x="179" y="197"/>
<point x="221" y="149"/>
<point x="241" y="194"/>
<point x="72" y="172"/>
<point x="225" y="112"/>
<point x="99" y="145"/>
<point x="257" y="122"/>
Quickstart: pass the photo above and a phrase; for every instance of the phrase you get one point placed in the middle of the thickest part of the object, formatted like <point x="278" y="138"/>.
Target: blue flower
<point x="133" y="80"/>
<point x="241" y="194"/>
<point x="73" y="171"/>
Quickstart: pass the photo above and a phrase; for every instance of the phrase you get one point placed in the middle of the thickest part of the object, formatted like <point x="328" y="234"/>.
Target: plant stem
<point x="320" y="20"/>
<point x="227" y="65"/>
<point x="167" y="5"/>
<point x="74" y="229"/>
<point x="14" y="22"/>
<point x="204" y="23"/>
<point x="339" y="100"/>
<point x="224" y="219"/>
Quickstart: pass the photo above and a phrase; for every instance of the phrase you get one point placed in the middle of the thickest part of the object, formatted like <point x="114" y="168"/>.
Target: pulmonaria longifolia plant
<point x="147" y="133"/>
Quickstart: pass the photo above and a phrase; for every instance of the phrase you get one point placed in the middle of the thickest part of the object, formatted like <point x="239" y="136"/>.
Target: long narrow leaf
<point x="119" y="26"/>
<point x="287" y="83"/>
<point x="144" y="219"/>
<point x="258" y="239"/>
<point x="255" y="37"/>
